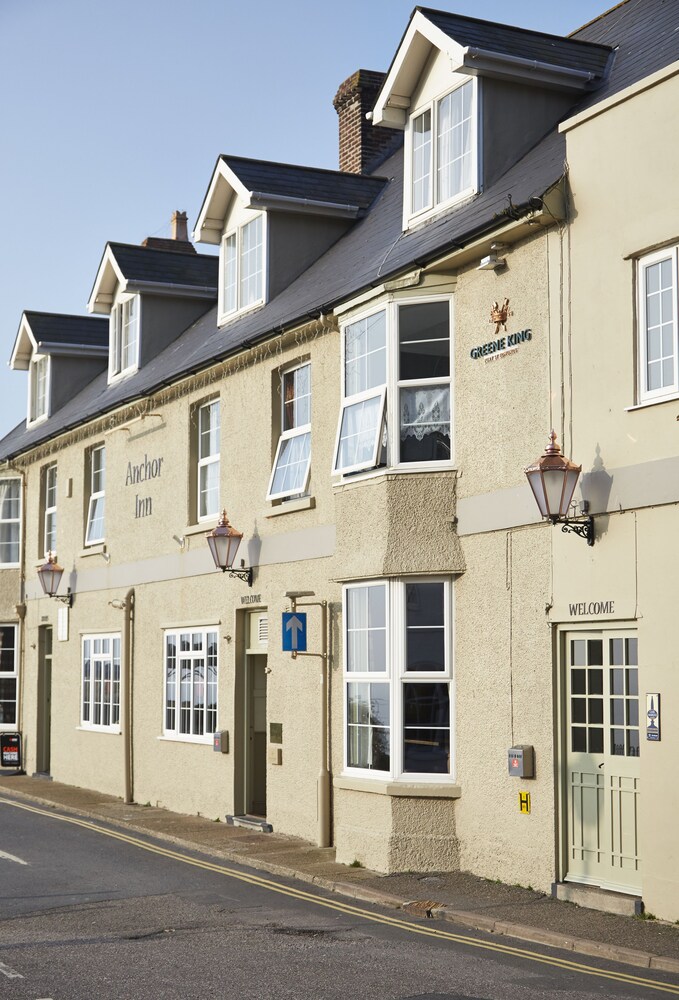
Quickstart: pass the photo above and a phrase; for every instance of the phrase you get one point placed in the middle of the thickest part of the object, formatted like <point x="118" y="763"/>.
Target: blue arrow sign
<point x="294" y="632"/>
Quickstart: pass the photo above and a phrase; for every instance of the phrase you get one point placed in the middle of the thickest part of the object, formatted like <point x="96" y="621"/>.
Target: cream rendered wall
<point x="622" y="159"/>
<point x="177" y="586"/>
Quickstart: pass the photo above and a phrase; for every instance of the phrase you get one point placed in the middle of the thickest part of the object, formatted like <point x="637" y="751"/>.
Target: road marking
<point x="10" y="973"/>
<point x="11" y="857"/>
<point x="351" y="910"/>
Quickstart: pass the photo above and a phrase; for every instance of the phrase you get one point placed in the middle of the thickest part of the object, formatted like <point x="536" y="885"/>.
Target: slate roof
<point x="165" y="267"/>
<point x="375" y="248"/>
<point x="292" y="181"/>
<point x="68" y="331"/>
<point x="521" y="43"/>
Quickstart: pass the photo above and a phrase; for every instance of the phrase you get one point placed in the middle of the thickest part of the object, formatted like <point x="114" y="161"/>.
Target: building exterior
<point x="360" y="378"/>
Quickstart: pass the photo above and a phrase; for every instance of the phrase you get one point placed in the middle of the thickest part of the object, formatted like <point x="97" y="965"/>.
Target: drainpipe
<point x="128" y="662"/>
<point x="324" y="773"/>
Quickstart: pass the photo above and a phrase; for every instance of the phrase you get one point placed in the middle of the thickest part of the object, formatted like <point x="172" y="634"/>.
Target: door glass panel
<point x="595" y="652"/>
<point x="596" y="740"/>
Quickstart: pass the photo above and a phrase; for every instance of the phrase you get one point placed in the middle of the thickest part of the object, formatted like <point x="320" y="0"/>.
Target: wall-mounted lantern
<point x="224" y="541"/>
<point x="553" y="479"/>
<point x="50" y="575"/>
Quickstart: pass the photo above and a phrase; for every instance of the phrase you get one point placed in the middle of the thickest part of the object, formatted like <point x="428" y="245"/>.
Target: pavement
<point x="458" y="897"/>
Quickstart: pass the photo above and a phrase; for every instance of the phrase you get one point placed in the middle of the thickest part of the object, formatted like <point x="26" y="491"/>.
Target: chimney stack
<point x="179" y="242"/>
<point x="360" y="143"/>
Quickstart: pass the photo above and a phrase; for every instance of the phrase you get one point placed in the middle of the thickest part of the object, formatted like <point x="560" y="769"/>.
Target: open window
<point x="292" y="463"/>
<point x="361" y="423"/>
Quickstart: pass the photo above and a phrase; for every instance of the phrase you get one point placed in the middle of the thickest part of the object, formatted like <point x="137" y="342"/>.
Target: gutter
<point x="517" y="67"/>
<point x="307" y="206"/>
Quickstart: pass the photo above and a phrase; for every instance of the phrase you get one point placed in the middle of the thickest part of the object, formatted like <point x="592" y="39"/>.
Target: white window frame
<point x="119" y="326"/>
<point x="90" y="687"/>
<point x="396" y="676"/>
<point x="172" y="728"/>
<point x="212" y="459"/>
<point x="9" y="521"/>
<point x="435" y="203"/>
<point x="50" y="511"/>
<point x="296" y="431"/>
<point x="38" y="388"/>
<point x="389" y="394"/>
<point x="646" y="395"/>
<point x="236" y="233"/>
<point x="12" y="674"/>
<point x="96" y="495"/>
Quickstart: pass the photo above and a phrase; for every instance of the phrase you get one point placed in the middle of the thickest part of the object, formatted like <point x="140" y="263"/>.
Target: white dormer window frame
<point x="124" y="337"/>
<point x="243" y="267"/>
<point x="442" y="152"/>
<point x="38" y="388"/>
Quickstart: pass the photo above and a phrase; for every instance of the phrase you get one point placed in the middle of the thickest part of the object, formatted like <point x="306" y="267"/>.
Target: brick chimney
<point x="179" y="241"/>
<point x="360" y="142"/>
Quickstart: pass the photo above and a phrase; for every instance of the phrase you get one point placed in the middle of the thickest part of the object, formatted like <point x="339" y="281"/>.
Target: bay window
<point x="397" y="669"/>
<point x="658" y="326"/>
<point x="292" y="462"/>
<point x="191" y="684"/>
<point x="242" y="267"/>
<point x="442" y="160"/>
<point x="396" y="377"/>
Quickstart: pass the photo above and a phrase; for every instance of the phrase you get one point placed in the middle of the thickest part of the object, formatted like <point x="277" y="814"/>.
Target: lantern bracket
<point x="66" y="598"/>
<point x="583" y="527"/>
<point x="242" y="572"/>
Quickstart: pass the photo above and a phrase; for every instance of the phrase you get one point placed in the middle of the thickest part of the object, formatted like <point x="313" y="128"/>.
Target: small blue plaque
<point x="294" y="632"/>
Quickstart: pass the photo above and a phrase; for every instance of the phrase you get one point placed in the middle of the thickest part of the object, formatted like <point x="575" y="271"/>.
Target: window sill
<point x="394" y="470"/>
<point x="203" y="526"/>
<point x="652" y="402"/>
<point x="205" y="741"/>
<point x="289" y="506"/>
<point x="121" y="376"/>
<point x="225" y="318"/>
<point x="107" y="730"/>
<point x="98" y="549"/>
<point x="423" y="789"/>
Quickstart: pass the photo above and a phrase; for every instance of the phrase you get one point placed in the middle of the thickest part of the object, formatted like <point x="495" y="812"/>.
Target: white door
<point x="602" y="759"/>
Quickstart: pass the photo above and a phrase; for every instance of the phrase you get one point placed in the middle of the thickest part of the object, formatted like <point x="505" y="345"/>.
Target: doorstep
<point x="594" y="898"/>
<point x="255" y="823"/>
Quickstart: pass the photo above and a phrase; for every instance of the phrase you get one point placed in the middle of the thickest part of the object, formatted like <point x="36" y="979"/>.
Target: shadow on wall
<point x="596" y="486"/>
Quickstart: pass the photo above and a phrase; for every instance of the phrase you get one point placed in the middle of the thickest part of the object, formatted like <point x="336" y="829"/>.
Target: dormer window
<point x="38" y="393"/>
<point x="124" y="337"/>
<point x="443" y="157"/>
<point x="242" y="268"/>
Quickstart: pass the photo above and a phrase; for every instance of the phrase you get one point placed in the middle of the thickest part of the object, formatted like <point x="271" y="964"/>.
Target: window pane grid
<point x="97" y="501"/>
<point x="454" y="143"/>
<point x="412" y="735"/>
<point x="10" y="520"/>
<point x="208" y="459"/>
<point x="197" y="714"/>
<point x="8" y="675"/>
<point x="100" y="701"/>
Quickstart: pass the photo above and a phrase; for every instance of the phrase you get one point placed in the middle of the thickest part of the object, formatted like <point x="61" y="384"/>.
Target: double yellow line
<point x="424" y="929"/>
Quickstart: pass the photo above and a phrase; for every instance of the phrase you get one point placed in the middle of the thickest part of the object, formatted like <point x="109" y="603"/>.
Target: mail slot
<point x="220" y="741"/>
<point x="520" y="761"/>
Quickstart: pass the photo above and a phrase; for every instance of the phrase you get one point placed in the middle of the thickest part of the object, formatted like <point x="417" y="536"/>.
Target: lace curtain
<point x="425" y="411"/>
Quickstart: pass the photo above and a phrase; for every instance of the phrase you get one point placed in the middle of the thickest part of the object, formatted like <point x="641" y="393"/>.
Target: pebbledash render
<point x="359" y="379"/>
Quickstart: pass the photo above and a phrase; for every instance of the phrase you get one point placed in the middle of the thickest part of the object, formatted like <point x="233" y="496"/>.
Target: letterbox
<point x="520" y="761"/>
<point x="220" y="742"/>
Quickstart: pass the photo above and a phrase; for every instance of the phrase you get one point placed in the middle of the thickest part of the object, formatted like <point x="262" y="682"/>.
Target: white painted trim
<point x="108" y="263"/>
<point x="666" y="73"/>
<point x="666" y="392"/>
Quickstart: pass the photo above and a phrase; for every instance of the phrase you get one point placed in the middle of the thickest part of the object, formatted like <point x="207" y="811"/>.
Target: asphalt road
<point x="89" y="912"/>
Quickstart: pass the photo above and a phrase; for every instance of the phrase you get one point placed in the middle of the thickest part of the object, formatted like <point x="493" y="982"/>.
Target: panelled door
<point x="602" y="759"/>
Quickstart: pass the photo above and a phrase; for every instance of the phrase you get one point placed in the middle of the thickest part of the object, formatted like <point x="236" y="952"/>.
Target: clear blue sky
<point x="113" y="115"/>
